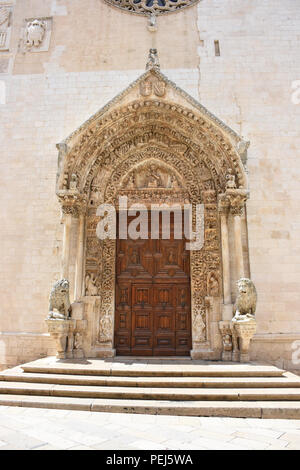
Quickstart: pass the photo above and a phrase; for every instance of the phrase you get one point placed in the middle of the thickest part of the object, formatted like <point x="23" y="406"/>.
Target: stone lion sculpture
<point x="59" y="301"/>
<point x="245" y="304"/>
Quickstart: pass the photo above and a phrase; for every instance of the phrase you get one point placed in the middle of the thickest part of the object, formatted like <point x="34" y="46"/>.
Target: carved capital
<point x="237" y="199"/>
<point x="223" y="204"/>
<point x="72" y="202"/>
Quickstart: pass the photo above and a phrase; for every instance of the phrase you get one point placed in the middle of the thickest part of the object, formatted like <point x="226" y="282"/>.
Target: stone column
<point x="66" y="243"/>
<point x="239" y="261"/>
<point x="223" y="210"/>
<point x="237" y="198"/>
<point x="79" y="256"/>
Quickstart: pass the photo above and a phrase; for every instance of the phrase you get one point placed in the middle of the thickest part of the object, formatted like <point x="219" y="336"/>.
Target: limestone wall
<point x="95" y="51"/>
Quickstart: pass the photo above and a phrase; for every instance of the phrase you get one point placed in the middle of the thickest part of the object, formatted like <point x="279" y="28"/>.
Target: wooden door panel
<point x="152" y="297"/>
<point x="164" y="320"/>
<point x="123" y="318"/>
<point x="142" y="320"/>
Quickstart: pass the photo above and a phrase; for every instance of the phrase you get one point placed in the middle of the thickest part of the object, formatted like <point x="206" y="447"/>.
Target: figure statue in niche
<point x="91" y="288"/>
<point x="153" y="180"/>
<point x="73" y="181"/>
<point x="153" y="62"/>
<point x="173" y="182"/>
<point x="199" y="327"/>
<point x="77" y="340"/>
<point x="131" y="182"/>
<point x="230" y="180"/>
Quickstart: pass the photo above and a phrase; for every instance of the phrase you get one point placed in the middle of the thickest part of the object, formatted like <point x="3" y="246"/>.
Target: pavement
<point x="50" y="429"/>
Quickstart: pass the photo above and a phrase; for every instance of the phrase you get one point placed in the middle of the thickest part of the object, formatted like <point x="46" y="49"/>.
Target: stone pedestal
<point x="225" y="329"/>
<point x="62" y="332"/>
<point x="244" y="330"/>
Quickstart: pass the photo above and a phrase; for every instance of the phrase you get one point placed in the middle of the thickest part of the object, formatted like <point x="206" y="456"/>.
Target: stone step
<point x="141" y="393"/>
<point x="161" y="382"/>
<point x="158" y="368"/>
<point x="246" y="409"/>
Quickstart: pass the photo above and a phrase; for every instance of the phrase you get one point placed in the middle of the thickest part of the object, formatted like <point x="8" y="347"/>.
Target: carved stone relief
<point x="152" y="86"/>
<point x="144" y="7"/>
<point x="36" y="34"/>
<point x="5" y="26"/>
<point x="152" y="150"/>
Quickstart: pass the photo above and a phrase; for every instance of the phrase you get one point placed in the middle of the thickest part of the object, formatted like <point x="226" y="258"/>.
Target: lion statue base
<point x="245" y="304"/>
<point x="59" y="301"/>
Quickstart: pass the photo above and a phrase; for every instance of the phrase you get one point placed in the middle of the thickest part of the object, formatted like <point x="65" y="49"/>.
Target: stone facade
<point x="45" y="96"/>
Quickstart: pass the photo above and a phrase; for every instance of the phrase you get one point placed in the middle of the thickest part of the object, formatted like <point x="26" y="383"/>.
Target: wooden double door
<point x="153" y="309"/>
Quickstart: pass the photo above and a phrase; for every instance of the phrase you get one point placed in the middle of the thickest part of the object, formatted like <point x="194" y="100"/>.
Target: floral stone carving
<point x="148" y="7"/>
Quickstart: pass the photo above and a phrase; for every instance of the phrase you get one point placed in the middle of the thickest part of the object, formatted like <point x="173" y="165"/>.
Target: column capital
<point x="72" y="202"/>
<point x="237" y="199"/>
<point x="223" y="204"/>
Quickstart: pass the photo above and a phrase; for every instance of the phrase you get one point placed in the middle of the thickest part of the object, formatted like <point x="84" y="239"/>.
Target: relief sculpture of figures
<point x="213" y="285"/>
<point x="91" y="288"/>
<point x="230" y="180"/>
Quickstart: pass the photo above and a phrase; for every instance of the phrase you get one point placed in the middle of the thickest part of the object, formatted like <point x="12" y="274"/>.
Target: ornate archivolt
<point x="145" y="122"/>
<point x="147" y="7"/>
<point x="151" y="150"/>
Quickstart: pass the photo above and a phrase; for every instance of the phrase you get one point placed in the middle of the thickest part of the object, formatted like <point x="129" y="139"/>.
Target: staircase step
<point x="154" y="386"/>
<point x="247" y="409"/>
<point x="140" y="393"/>
<point x="99" y="367"/>
<point x="160" y="382"/>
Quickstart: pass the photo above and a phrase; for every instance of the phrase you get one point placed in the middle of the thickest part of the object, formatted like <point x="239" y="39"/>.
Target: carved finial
<point x="153" y="62"/>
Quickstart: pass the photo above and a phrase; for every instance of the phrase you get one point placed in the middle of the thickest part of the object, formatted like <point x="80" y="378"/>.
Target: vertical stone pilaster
<point x="223" y="207"/>
<point x="237" y="199"/>
<point x="79" y="256"/>
<point x="66" y="245"/>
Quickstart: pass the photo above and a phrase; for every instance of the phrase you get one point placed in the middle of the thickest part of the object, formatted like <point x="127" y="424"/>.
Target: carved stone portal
<point x="153" y="150"/>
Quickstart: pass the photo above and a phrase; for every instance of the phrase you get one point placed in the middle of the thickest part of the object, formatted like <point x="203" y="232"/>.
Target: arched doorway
<point x="197" y="161"/>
